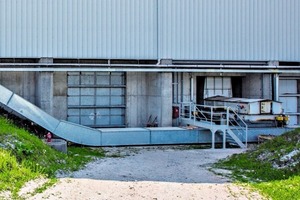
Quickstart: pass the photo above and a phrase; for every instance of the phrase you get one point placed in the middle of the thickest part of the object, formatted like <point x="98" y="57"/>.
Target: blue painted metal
<point x="27" y="110"/>
<point x="5" y="95"/>
<point x="253" y="133"/>
<point x="173" y="135"/>
<point x="69" y="131"/>
<point x="78" y="134"/>
<point x="125" y="136"/>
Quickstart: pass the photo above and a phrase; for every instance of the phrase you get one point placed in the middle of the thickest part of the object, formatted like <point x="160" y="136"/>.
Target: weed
<point x="268" y="168"/>
<point x="24" y="156"/>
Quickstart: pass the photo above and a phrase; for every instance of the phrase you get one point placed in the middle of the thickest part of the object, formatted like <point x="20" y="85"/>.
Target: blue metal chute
<point x="69" y="131"/>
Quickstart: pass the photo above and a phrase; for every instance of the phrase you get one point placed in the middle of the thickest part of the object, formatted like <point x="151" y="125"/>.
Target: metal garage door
<point x="289" y="99"/>
<point x="96" y="99"/>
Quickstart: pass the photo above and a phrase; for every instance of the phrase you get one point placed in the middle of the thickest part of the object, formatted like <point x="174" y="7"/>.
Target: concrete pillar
<point x="166" y="99"/>
<point x="136" y="99"/>
<point x="275" y="95"/>
<point x="60" y="88"/>
<point x="267" y="86"/>
<point x="44" y="88"/>
<point x="148" y="94"/>
<point x="159" y="97"/>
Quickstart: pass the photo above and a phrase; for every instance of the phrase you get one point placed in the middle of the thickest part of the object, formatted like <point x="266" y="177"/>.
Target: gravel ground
<point x="150" y="173"/>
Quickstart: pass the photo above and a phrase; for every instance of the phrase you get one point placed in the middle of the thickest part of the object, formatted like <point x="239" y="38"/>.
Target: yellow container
<point x="279" y="118"/>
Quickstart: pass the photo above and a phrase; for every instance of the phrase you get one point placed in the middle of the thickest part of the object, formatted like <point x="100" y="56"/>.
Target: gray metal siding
<point x="230" y="30"/>
<point x="78" y="28"/>
<point x="151" y="29"/>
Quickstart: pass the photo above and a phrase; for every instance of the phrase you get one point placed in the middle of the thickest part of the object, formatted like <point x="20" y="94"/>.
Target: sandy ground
<point x="150" y="173"/>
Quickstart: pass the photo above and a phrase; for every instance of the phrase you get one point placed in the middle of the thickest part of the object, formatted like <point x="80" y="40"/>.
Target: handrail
<point x="215" y="115"/>
<point x="245" y="128"/>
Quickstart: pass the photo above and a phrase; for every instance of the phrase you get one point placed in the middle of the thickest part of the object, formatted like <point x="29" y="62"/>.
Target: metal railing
<point x="237" y="123"/>
<point x="215" y="115"/>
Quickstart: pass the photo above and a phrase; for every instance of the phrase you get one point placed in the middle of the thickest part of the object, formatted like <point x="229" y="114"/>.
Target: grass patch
<point x="24" y="156"/>
<point x="50" y="183"/>
<point x="13" y="175"/>
<point x="273" y="168"/>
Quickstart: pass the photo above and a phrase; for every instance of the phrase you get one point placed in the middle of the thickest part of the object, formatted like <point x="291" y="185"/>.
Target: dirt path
<point x="150" y="173"/>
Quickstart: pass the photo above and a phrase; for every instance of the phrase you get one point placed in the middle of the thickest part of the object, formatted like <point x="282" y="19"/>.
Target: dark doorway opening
<point x="200" y="89"/>
<point x="236" y="83"/>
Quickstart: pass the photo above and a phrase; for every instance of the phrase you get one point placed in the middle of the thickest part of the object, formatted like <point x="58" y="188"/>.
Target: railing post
<point x="224" y="138"/>
<point x="227" y="116"/>
<point x="190" y="111"/>
<point x="211" y="116"/>
<point x="246" y="136"/>
<point x="194" y="111"/>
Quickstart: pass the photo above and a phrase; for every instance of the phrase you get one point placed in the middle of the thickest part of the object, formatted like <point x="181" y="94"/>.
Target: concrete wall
<point x="46" y="90"/>
<point x="149" y="94"/>
<point x="257" y="86"/>
<point x="136" y="100"/>
<point x="60" y="95"/>
<point x="21" y="83"/>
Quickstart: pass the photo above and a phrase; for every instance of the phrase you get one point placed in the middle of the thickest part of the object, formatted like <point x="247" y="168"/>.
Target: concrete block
<point x="58" y="144"/>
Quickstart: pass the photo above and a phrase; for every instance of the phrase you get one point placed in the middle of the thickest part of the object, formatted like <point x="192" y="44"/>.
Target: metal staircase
<point x="218" y="119"/>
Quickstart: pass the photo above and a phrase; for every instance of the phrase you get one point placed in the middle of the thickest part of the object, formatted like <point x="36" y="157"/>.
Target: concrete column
<point x="44" y="88"/>
<point x="166" y="99"/>
<point x="275" y="95"/>
<point x="148" y="94"/>
<point x="267" y="86"/>
<point x="136" y="99"/>
<point x="60" y="88"/>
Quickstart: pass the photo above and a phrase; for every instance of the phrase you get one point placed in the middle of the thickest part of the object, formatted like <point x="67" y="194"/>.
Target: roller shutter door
<point x="96" y="99"/>
<point x="289" y="98"/>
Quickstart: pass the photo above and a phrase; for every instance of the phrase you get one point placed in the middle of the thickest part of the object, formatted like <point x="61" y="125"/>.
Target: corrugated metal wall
<point x="151" y="29"/>
<point x="78" y="28"/>
<point x="230" y="29"/>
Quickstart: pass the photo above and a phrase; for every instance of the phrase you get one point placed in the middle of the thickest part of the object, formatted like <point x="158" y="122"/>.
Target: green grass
<point x="265" y="170"/>
<point x="24" y="156"/>
<point x="13" y="175"/>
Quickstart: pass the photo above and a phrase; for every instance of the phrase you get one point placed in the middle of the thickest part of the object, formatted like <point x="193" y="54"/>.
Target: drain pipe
<point x="276" y="87"/>
<point x="181" y="86"/>
<point x="192" y="87"/>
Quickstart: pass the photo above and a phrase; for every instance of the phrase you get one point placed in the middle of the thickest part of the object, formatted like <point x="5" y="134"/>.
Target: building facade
<point x="118" y="63"/>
